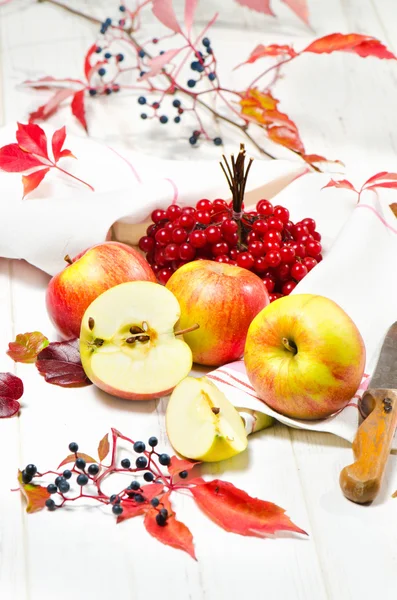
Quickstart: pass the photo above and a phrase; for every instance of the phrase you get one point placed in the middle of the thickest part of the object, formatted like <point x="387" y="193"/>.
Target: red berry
<point x="281" y="213"/>
<point x="186" y="252"/>
<point x="275" y="224"/>
<point x="164" y="274"/>
<point x="222" y="258"/>
<point x="163" y="237"/>
<point x="220" y="248"/>
<point x="316" y="236"/>
<point x="298" y="271"/>
<point x="310" y="224"/>
<point x="253" y="236"/>
<point x="219" y="202"/>
<point x="269" y="283"/>
<point x="289" y="226"/>
<point x="288" y="287"/>
<point x="213" y="234"/>
<point x="256" y="249"/>
<point x="313" y="249"/>
<point x="233" y="262"/>
<point x="189" y="210"/>
<point x="260" y="265"/>
<point x="151" y="230"/>
<point x="272" y="236"/>
<point x="245" y="260"/>
<point x="173" y="212"/>
<point x="203" y="217"/>
<point x="299" y="231"/>
<point x="273" y="297"/>
<point x="156" y="268"/>
<point x="169" y="226"/>
<point x="234" y="253"/>
<point x="198" y="239"/>
<point x="158" y="215"/>
<point x="204" y="204"/>
<point x="179" y="235"/>
<point x="229" y="226"/>
<point x="283" y="272"/>
<point x="187" y="221"/>
<point x="309" y="262"/>
<point x="299" y="249"/>
<point x="273" y="258"/>
<point x="159" y="257"/>
<point x="171" y="252"/>
<point x="287" y="254"/>
<point x="231" y="238"/>
<point x="260" y="226"/>
<point x="146" y="243"/>
<point x="264" y="207"/>
<point x="269" y="246"/>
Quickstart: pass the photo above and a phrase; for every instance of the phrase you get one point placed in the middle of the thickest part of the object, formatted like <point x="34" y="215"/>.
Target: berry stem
<point x="187" y="330"/>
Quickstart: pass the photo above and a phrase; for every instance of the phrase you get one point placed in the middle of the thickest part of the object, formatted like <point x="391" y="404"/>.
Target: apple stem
<point x="291" y="346"/>
<point x="187" y="330"/>
<point x="68" y="259"/>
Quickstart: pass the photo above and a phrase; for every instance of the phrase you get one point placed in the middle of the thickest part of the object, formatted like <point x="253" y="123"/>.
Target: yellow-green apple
<point x="202" y="424"/>
<point x="223" y="300"/>
<point x="86" y="276"/>
<point x="127" y="342"/>
<point x="304" y="356"/>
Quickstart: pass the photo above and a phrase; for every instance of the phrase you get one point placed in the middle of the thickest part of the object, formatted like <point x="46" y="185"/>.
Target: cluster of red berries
<point x="263" y="241"/>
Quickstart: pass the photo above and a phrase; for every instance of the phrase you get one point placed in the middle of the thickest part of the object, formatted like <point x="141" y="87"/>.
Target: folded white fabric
<point x="358" y="272"/>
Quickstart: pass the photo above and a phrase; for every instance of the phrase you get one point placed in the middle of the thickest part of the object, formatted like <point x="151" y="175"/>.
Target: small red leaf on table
<point x="31" y="138"/>
<point x="35" y="495"/>
<point x="78" y="108"/>
<point x="27" y="346"/>
<point x="174" y="533"/>
<point x="60" y="364"/>
<point x="11" y="389"/>
<point x="103" y="448"/>
<point x="177" y="465"/>
<point x="32" y="181"/>
<point x="362" y="45"/>
<point x="58" y="140"/>
<point x="342" y="183"/>
<point x="72" y="458"/>
<point x="164" y="12"/>
<point x="235" y="511"/>
<point x="14" y="160"/>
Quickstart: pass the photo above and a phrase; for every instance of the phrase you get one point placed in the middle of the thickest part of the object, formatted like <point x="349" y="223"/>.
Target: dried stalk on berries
<point x="254" y="112"/>
<point x="149" y="492"/>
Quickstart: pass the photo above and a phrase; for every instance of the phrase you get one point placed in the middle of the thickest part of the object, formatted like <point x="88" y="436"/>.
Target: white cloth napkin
<point x="63" y="216"/>
<point x="358" y="272"/>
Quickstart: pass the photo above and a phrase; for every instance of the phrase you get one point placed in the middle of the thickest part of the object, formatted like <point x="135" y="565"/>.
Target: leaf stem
<point x="74" y="177"/>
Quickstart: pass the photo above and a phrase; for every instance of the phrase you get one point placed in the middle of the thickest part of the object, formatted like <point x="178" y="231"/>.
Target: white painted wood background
<point x="345" y="108"/>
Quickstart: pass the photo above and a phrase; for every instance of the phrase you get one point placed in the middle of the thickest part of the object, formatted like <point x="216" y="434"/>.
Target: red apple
<point x="223" y="300"/>
<point x="304" y="356"/>
<point x="90" y="273"/>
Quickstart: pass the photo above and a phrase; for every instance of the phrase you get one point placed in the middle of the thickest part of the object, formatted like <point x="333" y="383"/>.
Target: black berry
<point x="73" y="447"/>
<point x="82" y="479"/>
<point x="31" y="470"/>
<point x="163" y="119"/>
<point x="164" y="460"/>
<point x="141" y="462"/>
<point x="93" y="469"/>
<point x="192" y="140"/>
<point x="164" y="513"/>
<point x="217" y="141"/>
<point x="50" y="504"/>
<point x="114" y="499"/>
<point x="101" y="71"/>
<point x="80" y="463"/>
<point x="139" y="498"/>
<point x="141" y="53"/>
<point x="58" y="480"/>
<point x="176" y="103"/>
<point x="135" y="485"/>
<point x="206" y="42"/>
<point x="191" y="83"/>
<point x="183" y="474"/>
<point x="142" y="100"/>
<point x="139" y="447"/>
<point x="177" y="119"/>
<point x="153" y="441"/>
<point x="212" y="76"/>
<point x="26" y="478"/>
<point x="67" y="474"/>
<point x="126" y="463"/>
<point x="160" y="520"/>
<point x="117" y="509"/>
<point x="155" y="502"/>
<point x="63" y="486"/>
<point x="92" y="92"/>
<point x="52" y="489"/>
<point x="148" y="476"/>
<point x="143" y="116"/>
<point x="108" y="55"/>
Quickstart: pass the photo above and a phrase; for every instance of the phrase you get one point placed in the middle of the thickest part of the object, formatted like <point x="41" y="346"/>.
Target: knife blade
<point x="361" y="481"/>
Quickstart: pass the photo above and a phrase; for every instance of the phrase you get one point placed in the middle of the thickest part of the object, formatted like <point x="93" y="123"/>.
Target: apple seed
<point x="136" y="329"/>
<point x="215" y="410"/>
<point x="91" y="323"/>
<point x="143" y="338"/>
<point x="130" y="340"/>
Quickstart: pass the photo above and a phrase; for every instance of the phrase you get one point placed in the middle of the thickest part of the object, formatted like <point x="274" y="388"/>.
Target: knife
<point x="361" y="481"/>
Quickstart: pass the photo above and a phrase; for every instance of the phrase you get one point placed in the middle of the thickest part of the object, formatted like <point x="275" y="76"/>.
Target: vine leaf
<point x="60" y="364"/>
<point x="11" y="389"/>
<point x="103" y="448"/>
<point x="35" y="495"/>
<point x="27" y="346"/>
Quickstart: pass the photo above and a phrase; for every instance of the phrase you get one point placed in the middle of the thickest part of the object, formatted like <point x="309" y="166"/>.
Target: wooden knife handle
<point x="361" y="481"/>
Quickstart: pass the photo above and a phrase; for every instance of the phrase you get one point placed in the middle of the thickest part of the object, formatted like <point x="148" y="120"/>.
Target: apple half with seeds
<point x="202" y="424"/>
<point x="127" y="342"/>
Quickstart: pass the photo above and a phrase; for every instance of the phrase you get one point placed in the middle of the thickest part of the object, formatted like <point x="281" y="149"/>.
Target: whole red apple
<point x="223" y="300"/>
<point x="304" y="356"/>
<point x="89" y="274"/>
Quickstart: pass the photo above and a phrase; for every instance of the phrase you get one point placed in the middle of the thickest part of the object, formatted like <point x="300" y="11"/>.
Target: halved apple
<point x="202" y="424"/>
<point x="127" y="343"/>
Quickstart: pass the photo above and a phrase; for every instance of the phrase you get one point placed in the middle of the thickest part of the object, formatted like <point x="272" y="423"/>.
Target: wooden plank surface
<point x="347" y="113"/>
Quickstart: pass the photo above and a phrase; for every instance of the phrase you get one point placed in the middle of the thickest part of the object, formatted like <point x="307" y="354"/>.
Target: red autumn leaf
<point x="49" y="82"/>
<point x="152" y="490"/>
<point x="87" y="61"/>
<point x="342" y="183"/>
<point x="60" y="364"/>
<point x="173" y="533"/>
<point x="235" y="511"/>
<point x="164" y="12"/>
<point x="156" y="64"/>
<point x="27" y="346"/>
<point x="314" y="158"/>
<point x="31" y="138"/>
<point x="72" y="458"/>
<point x="387" y="184"/>
<point x="190" y="9"/>
<point x="50" y="107"/>
<point x="58" y="140"/>
<point x="262" y="51"/>
<point x="393" y="208"/>
<point x="78" y="108"/>
<point x="384" y="175"/>
<point x="103" y="448"/>
<point x="35" y="495"/>
<point x="11" y="389"/>
<point x="14" y="160"/>
<point x="32" y="181"/>
<point x="300" y="8"/>
<point x="286" y="137"/>
<point x="362" y="45"/>
<point x="177" y="465"/>
<point x="130" y="510"/>
<point x="262" y="6"/>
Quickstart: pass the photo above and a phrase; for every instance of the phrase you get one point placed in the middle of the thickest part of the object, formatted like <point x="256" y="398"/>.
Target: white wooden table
<point x="347" y="112"/>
